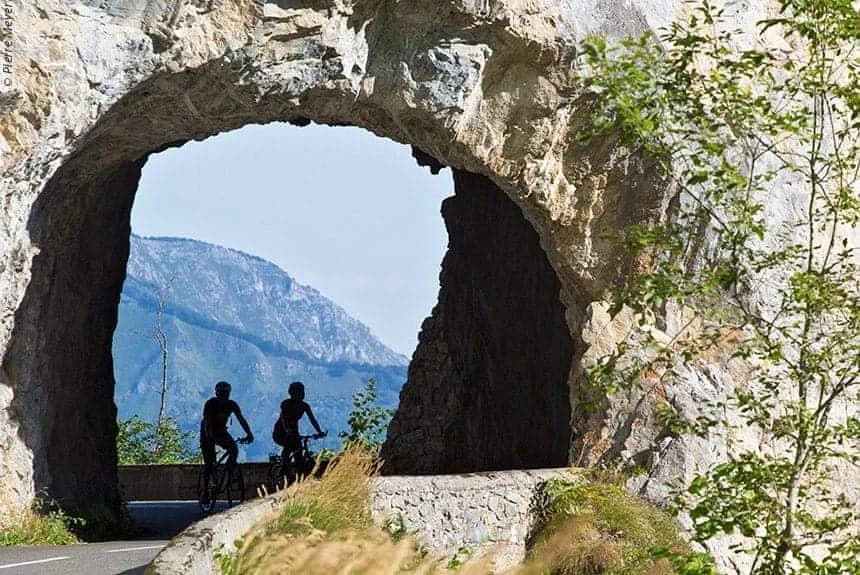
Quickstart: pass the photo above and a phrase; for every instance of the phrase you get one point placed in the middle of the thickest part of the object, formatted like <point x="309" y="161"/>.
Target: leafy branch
<point x="738" y="131"/>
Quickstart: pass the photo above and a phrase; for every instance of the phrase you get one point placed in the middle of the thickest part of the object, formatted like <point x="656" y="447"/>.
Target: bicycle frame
<point x="223" y="477"/>
<point x="294" y="466"/>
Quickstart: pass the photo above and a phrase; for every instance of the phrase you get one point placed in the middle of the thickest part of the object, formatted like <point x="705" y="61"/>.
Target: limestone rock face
<point x="488" y="384"/>
<point x="483" y="86"/>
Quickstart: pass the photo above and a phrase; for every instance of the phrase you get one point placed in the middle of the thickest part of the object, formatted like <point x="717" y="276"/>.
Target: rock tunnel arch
<point x="474" y="97"/>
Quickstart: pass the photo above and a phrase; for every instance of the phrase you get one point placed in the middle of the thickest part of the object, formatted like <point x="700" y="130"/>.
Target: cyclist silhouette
<point x="213" y="428"/>
<point x="292" y="410"/>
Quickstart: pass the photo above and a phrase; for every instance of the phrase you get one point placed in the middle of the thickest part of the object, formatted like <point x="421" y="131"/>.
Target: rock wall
<point x="488" y="383"/>
<point x="483" y="86"/>
<point x="60" y="350"/>
<point x="483" y="512"/>
<point x="178" y="482"/>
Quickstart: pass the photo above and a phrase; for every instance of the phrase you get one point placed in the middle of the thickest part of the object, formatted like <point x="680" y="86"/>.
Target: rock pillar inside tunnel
<point x="488" y="384"/>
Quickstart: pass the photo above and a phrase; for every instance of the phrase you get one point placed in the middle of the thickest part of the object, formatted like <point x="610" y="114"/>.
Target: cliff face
<point x="482" y="86"/>
<point x="488" y="383"/>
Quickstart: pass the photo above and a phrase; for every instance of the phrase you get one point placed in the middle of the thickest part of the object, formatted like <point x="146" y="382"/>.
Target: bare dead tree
<point x="160" y="337"/>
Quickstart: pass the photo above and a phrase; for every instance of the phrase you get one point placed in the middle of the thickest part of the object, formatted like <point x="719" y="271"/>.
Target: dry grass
<point x="43" y="524"/>
<point x="346" y="553"/>
<point x="340" y="500"/>
<point x="596" y="528"/>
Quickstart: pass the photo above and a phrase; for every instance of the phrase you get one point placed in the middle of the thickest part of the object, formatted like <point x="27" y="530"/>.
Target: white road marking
<point x="134" y="549"/>
<point x="32" y="562"/>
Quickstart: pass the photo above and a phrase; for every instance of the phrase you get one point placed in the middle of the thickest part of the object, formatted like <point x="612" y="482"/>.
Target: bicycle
<point x="300" y="464"/>
<point x="228" y="480"/>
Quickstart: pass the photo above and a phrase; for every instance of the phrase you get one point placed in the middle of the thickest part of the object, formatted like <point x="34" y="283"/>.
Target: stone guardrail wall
<point x="192" y="551"/>
<point x="178" y="482"/>
<point x="484" y="512"/>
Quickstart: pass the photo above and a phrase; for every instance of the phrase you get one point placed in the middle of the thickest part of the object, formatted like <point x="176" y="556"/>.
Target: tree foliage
<point x="368" y="422"/>
<point x="140" y="442"/>
<point x="740" y="122"/>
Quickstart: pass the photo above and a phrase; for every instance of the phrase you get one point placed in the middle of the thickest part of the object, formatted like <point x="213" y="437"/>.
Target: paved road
<point x="126" y="557"/>
<point x="159" y="520"/>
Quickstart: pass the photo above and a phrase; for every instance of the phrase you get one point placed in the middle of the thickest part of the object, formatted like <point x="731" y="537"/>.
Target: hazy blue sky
<point x="339" y="209"/>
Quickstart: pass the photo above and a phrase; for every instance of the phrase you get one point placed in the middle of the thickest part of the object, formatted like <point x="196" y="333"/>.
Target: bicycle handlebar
<point x="305" y="438"/>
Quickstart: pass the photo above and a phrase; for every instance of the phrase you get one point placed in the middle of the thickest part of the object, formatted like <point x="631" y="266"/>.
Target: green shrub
<point x="225" y="559"/>
<point x="139" y="442"/>
<point x="395" y="526"/>
<point x="594" y="527"/>
<point x="43" y="524"/>
<point x="368" y="422"/>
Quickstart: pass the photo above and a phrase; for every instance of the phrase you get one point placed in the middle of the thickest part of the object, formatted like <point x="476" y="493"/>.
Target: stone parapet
<point x="177" y="482"/>
<point x="483" y="512"/>
<point x="192" y="552"/>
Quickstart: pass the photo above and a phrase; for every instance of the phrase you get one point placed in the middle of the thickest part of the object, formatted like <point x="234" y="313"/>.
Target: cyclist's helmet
<point x="222" y="389"/>
<point x="297" y="390"/>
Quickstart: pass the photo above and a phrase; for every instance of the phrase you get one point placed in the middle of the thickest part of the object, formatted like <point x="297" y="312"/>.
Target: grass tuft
<point x="338" y="501"/>
<point x="43" y="524"/>
<point x="596" y="528"/>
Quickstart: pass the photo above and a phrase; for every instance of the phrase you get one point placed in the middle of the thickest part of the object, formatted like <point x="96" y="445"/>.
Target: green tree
<point x="368" y="422"/>
<point x="140" y="442"/>
<point x="733" y="130"/>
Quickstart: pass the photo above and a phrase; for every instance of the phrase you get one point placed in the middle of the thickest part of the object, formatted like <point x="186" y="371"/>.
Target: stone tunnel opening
<point x="487" y="387"/>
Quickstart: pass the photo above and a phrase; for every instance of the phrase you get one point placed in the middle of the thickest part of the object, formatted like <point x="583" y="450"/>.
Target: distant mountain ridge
<point x="299" y="319"/>
<point x="234" y="316"/>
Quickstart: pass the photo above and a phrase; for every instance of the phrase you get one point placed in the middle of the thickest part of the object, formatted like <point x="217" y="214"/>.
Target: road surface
<point x="159" y="520"/>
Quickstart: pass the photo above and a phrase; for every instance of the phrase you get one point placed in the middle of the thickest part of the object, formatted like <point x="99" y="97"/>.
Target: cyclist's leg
<point x="234" y="472"/>
<point x="208" y="449"/>
<point x="273" y="475"/>
<point x="204" y="489"/>
<point x="285" y="464"/>
<point x="292" y="467"/>
<point x="292" y="447"/>
<point x="226" y="442"/>
<point x="296" y="460"/>
<point x="235" y="485"/>
<point x="287" y="473"/>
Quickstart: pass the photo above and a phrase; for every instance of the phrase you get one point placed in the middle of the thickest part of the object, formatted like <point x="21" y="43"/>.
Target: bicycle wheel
<point x="205" y="495"/>
<point x="235" y="486"/>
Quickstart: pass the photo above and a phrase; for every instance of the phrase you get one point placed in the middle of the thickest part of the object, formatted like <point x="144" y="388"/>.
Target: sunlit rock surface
<point x="484" y="86"/>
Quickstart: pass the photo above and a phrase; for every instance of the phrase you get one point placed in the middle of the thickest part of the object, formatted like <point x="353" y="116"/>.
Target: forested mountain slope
<point x="232" y="316"/>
